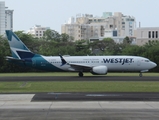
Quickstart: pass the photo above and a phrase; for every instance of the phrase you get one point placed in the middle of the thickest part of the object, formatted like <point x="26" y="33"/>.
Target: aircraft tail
<point x="18" y="49"/>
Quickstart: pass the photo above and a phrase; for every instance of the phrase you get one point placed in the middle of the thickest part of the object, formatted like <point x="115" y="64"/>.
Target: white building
<point x="86" y="26"/>
<point x="128" y="26"/>
<point x="144" y="34"/>
<point x="109" y="34"/>
<point x="2" y="17"/>
<point x="37" y="31"/>
<point x="6" y="18"/>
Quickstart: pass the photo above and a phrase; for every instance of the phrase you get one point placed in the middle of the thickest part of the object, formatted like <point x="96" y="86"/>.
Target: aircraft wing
<point x="80" y="67"/>
<point x="75" y="67"/>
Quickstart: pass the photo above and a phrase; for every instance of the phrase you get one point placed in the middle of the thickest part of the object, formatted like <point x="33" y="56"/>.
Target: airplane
<point x="97" y="65"/>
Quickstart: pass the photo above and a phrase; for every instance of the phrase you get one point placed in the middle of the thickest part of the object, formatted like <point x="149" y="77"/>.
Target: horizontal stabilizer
<point x="13" y="59"/>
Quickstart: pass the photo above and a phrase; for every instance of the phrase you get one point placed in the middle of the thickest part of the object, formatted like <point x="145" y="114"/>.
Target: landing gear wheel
<point x="80" y="74"/>
<point x="140" y="75"/>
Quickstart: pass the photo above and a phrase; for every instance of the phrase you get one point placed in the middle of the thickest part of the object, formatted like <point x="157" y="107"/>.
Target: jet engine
<point x="99" y="70"/>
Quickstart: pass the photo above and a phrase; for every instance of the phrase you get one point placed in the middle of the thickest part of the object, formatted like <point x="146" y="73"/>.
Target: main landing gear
<point x="80" y="74"/>
<point x="140" y="75"/>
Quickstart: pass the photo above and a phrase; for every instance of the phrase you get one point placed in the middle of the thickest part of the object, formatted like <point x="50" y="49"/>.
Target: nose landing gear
<point x="140" y="75"/>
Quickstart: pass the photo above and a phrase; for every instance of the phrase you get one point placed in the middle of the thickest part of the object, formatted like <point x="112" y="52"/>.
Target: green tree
<point x="127" y="41"/>
<point x="133" y="50"/>
<point x="106" y="47"/>
<point x="52" y="35"/>
<point x="66" y="38"/>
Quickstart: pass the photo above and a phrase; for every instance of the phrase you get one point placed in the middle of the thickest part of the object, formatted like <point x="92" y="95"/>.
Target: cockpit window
<point x="147" y="61"/>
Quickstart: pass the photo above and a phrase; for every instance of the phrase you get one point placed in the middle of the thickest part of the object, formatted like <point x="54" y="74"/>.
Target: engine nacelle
<point x="99" y="70"/>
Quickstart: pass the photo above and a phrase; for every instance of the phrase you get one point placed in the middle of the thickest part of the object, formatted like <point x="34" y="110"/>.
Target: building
<point x="6" y="18"/>
<point x="37" y="31"/>
<point x="144" y="34"/>
<point x="109" y="34"/>
<point x="86" y="26"/>
<point x="2" y="17"/>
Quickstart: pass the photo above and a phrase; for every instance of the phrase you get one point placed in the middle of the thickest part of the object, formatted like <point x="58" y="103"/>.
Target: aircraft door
<point x="138" y="62"/>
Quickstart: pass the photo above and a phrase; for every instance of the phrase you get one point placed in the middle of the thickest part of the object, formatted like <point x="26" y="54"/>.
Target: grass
<point x="78" y="86"/>
<point x="33" y="87"/>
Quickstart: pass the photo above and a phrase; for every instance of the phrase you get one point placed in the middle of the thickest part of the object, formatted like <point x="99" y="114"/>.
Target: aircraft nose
<point x="153" y="64"/>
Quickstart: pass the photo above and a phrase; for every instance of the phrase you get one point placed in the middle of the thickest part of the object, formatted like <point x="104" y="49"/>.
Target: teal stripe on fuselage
<point x="38" y="62"/>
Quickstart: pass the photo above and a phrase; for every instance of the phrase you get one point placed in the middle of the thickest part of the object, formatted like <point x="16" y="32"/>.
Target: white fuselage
<point x="113" y="63"/>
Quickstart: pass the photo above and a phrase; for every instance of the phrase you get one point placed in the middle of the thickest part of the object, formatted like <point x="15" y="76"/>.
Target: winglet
<point x="63" y="60"/>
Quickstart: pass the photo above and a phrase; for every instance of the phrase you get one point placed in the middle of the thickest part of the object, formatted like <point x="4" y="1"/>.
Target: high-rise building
<point x="6" y="18"/>
<point x="2" y="17"/>
<point x="86" y="26"/>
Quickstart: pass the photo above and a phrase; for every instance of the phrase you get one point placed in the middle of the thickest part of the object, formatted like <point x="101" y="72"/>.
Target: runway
<point x="20" y="107"/>
<point x="76" y="78"/>
<point x="79" y="106"/>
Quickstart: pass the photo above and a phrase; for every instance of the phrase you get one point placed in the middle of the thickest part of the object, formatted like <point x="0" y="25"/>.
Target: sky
<point x="54" y="13"/>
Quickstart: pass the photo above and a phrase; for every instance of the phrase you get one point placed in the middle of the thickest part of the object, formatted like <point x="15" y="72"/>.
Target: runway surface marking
<point x="46" y="97"/>
<point x="105" y="96"/>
